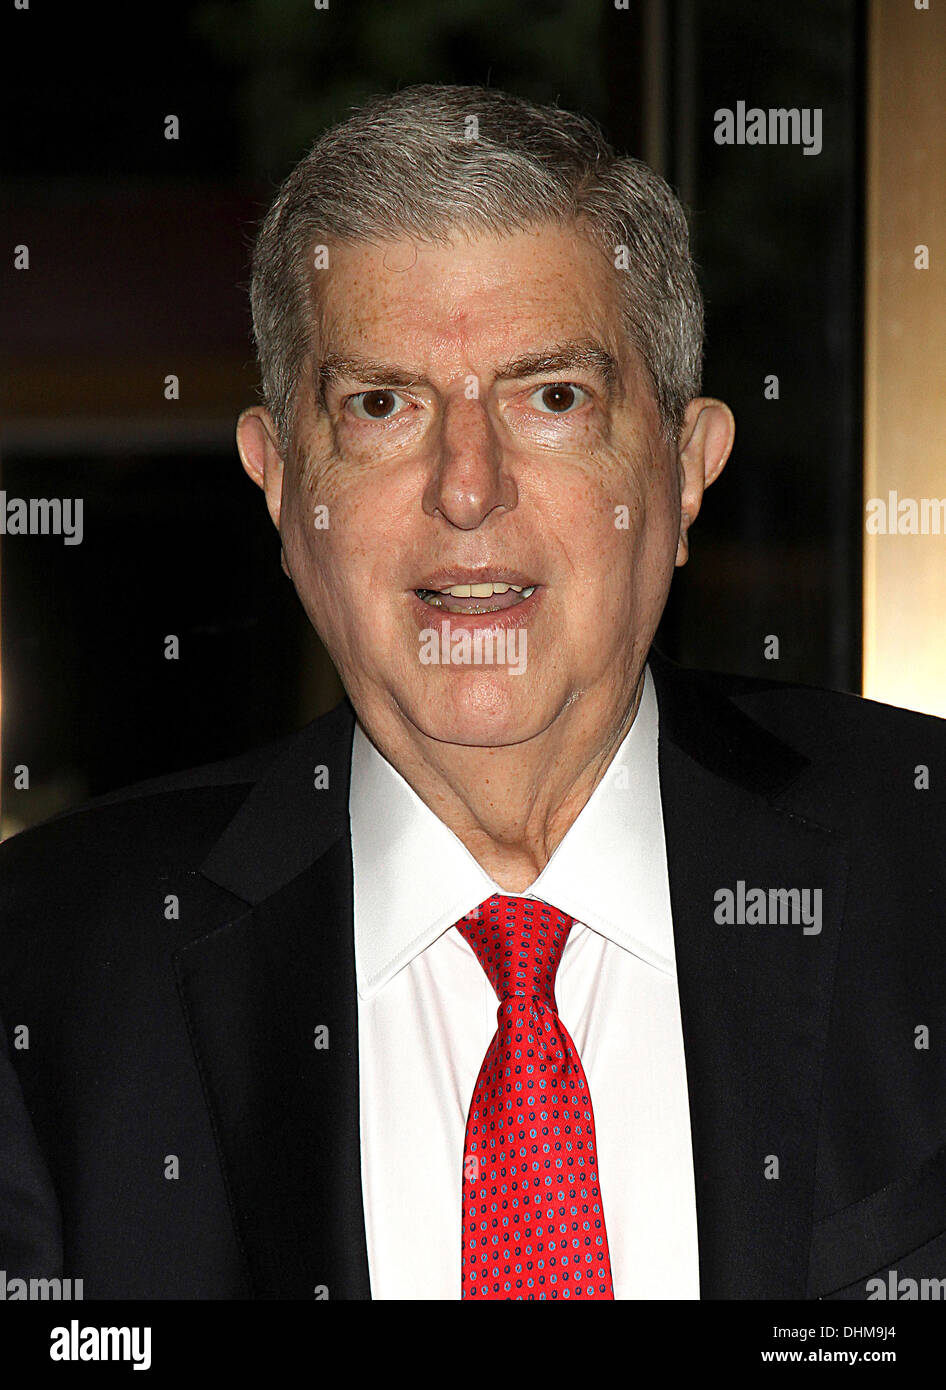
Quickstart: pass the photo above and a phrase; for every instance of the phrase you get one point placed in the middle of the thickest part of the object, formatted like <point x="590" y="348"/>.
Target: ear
<point x="706" y="440"/>
<point x="259" y="454"/>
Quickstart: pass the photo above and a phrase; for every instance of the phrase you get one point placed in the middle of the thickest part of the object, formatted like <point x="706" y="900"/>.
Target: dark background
<point x="139" y="267"/>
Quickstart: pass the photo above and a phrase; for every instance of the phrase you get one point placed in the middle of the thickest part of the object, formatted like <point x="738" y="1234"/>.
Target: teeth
<point x="481" y="590"/>
<point x="436" y="597"/>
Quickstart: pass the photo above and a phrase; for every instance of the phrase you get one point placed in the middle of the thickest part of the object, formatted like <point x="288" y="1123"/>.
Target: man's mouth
<point x="476" y="596"/>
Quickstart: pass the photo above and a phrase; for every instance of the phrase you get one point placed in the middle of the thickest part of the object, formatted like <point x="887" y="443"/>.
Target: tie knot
<point x="519" y="943"/>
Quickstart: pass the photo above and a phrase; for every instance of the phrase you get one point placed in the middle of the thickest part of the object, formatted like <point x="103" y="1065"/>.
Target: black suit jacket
<point x="155" y="1037"/>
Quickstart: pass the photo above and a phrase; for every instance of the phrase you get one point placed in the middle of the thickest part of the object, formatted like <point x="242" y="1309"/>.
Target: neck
<point x="511" y="806"/>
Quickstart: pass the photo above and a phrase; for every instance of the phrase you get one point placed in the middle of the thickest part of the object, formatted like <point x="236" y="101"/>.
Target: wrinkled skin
<point x="433" y="452"/>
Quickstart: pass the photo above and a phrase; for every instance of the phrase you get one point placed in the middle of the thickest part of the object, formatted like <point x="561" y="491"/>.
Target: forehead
<point x="480" y="293"/>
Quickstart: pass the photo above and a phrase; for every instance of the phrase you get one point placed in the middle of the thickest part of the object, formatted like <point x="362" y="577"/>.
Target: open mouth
<point x="486" y="597"/>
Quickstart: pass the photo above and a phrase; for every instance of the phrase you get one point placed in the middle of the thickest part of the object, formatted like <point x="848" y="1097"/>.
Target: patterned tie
<point x="533" y="1226"/>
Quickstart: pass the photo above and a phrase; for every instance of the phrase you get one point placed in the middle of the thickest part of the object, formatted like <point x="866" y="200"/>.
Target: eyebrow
<point x="584" y="354"/>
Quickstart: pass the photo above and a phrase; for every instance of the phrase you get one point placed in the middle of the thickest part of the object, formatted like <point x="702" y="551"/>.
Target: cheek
<point x="339" y="540"/>
<point x="316" y="551"/>
<point x="617" y="528"/>
<point x="615" y="507"/>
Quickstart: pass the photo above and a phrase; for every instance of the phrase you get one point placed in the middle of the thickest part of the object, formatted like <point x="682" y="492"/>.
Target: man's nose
<point x="469" y="476"/>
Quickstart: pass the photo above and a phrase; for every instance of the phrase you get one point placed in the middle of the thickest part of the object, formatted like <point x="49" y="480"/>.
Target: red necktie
<point x="533" y="1225"/>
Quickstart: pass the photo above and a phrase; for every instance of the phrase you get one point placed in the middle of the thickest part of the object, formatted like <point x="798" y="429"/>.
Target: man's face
<point x="476" y="415"/>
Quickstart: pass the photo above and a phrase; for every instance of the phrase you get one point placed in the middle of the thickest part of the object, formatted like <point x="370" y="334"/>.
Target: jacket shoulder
<point x="833" y="726"/>
<point x="165" y="820"/>
<point x="827" y="726"/>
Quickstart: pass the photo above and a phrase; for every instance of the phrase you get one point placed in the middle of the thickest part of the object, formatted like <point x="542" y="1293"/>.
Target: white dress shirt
<point x="427" y="1014"/>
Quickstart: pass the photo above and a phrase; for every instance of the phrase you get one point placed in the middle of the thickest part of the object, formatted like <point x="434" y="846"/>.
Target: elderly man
<point x="540" y="968"/>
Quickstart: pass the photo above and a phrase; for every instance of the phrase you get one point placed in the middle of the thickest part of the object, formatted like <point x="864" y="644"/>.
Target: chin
<point x="479" y="710"/>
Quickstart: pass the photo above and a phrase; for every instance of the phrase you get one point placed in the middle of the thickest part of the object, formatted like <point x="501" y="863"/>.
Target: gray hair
<point x="429" y="160"/>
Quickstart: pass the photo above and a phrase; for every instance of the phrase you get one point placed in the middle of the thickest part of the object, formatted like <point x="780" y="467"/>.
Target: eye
<point x="558" y="399"/>
<point x="378" y="404"/>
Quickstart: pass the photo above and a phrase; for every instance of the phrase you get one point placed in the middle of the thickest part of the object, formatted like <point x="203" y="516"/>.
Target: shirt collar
<point x="414" y="879"/>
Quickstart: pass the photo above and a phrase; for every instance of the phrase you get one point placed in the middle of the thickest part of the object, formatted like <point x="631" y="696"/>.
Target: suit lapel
<point x="754" y="998"/>
<point x="270" y="999"/>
